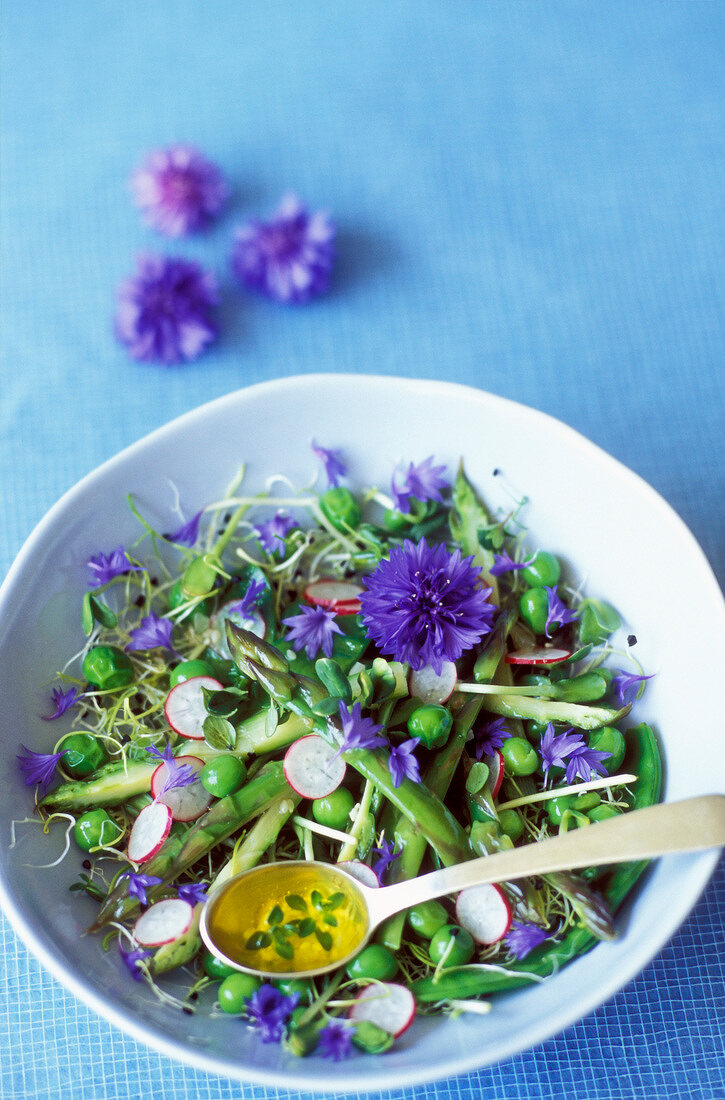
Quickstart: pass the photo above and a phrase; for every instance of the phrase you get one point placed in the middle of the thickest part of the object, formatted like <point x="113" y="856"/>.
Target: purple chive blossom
<point x="153" y="633"/>
<point x="335" y="468"/>
<point x="131" y="960"/>
<point x="164" y="312"/>
<point x="402" y="763"/>
<point x="386" y="855"/>
<point x="425" y="606"/>
<point x="522" y="938"/>
<point x="336" y="1040"/>
<point x="39" y="767"/>
<point x="178" y="190"/>
<point x="626" y="686"/>
<point x="312" y="630"/>
<point x="288" y="258"/>
<point x="558" y="614"/>
<point x="556" y="747"/>
<point x="246" y="605"/>
<point x="585" y="762"/>
<point x="358" y="732"/>
<point x="104" y="567"/>
<point x="489" y="737"/>
<point x="138" y="885"/>
<point x="423" y="482"/>
<point x="188" y="532"/>
<point x="193" y="892"/>
<point x="62" y="701"/>
<point x="504" y="563"/>
<point x="178" y="775"/>
<point x="273" y="532"/>
<point x="268" y="1011"/>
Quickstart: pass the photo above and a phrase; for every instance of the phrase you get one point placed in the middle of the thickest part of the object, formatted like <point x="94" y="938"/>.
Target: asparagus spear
<point x="547" y="710"/>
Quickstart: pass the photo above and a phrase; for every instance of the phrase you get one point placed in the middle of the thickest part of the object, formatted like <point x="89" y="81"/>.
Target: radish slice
<point x="433" y="687"/>
<point x="359" y="870"/>
<point x="496" y="771"/>
<point x="163" y="922"/>
<point x="312" y="767"/>
<point x="150" y="830"/>
<point x="538" y="655"/>
<point x="251" y="620"/>
<point x="184" y="709"/>
<point x="484" y="912"/>
<point x="186" y="803"/>
<point x="387" y="1004"/>
<point x="342" y="597"/>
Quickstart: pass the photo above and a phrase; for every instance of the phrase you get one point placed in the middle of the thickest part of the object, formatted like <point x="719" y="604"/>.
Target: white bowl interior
<point x="615" y="534"/>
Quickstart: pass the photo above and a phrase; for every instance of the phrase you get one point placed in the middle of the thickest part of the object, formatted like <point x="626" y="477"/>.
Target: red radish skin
<point x="342" y="597"/>
<point x="496" y="772"/>
<point x="359" y="870"/>
<point x="484" y="912"/>
<point x="312" y="767"/>
<point x="539" y="655"/>
<point x="149" y="831"/>
<point x="186" y="803"/>
<point x="433" y="687"/>
<point x="163" y="922"/>
<point x="184" y="708"/>
<point x="389" y="1005"/>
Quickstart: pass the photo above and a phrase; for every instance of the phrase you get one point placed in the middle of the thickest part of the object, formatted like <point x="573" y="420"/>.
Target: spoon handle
<point x="686" y="826"/>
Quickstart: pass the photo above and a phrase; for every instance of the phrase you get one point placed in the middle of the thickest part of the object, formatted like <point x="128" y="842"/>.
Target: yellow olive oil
<point x="288" y="918"/>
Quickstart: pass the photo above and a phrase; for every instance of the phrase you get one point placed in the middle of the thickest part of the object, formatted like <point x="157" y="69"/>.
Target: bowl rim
<point x="343" y="1078"/>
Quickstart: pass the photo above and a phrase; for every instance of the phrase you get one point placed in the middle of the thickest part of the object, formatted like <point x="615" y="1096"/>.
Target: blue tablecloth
<point x="529" y="199"/>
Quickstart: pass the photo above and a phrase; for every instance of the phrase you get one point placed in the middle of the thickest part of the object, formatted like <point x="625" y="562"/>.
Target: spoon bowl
<point x="300" y="918"/>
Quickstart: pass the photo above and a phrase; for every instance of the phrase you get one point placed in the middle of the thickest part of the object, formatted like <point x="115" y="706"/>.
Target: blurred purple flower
<point x="422" y="482"/>
<point x="245" y="606"/>
<point x="188" y="532"/>
<point x="131" y="960"/>
<point x="268" y="1011"/>
<point x="425" y="606"/>
<point x="336" y="1040"/>
<point x="489" y="737"/>
<point x="626" y="686"/>
<point x="39" y="767"/>
<point x="273" y="532"/>
<point x="558" y="613"/>
<point x="358" y="732"/>
<point x="104" y="567"/>
<point x="504" y="563"/>
<point x="312" y="630"/>
<point x="386" y="855"/>
<point x="177" y="775"/>
<point x="138" y="884"/>
<point x="62" y="701"/>
<point x="584" y="761"/>
<point x="288" y="258"/>
<point x="178" y="190"/>
<point x="334" y="466"/>
<point x="153" y="633"/>
<point x="556" y="747"/>
<point x="193" y="892"/>
<point x="164" y="313"/>
<point x="522" y="938"/>
<point x="402" y="763"/>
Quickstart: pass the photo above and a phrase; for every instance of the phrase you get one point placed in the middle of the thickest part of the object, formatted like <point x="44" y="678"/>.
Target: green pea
<point x="187" y="670"/>
<point x="95" y="827"/>
<point x="106" y="667"/>
<point x="452" y="943"/>
<point x="334" y="809"/>
<point x="199" y="576"/>
<point x="235" y="991"/>
<point x="431" y="723"/>
<point x="83" y="754"/>
<point x="534" y="608"/>
<point x="340" y="508"/>
<point x="609" y="739"/>
<point x="395" y="521"/>
<point x="373" y="962"/>
<point x="587" y="801"/>
<point x="544" y="569"/>
<point x="303" y="986"/>
<point x="223" y="775"/>
<point x="511" y="823"/>
<point x="427" y="917"/>
<point x="603" y="812"/>
<point x="557" y="807"/>
<point x="214" y="968"/>
<point x="519" y="757"/>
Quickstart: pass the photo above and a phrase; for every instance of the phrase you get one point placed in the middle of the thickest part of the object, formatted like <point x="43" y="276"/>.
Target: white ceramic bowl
<point x="611" y="529"/>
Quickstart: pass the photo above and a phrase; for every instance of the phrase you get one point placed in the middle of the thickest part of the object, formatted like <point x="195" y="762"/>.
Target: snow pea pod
<point x="643" y="760"/>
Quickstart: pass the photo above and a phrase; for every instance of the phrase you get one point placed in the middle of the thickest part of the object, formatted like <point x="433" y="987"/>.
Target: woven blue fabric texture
<point x="529" y="199"/>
